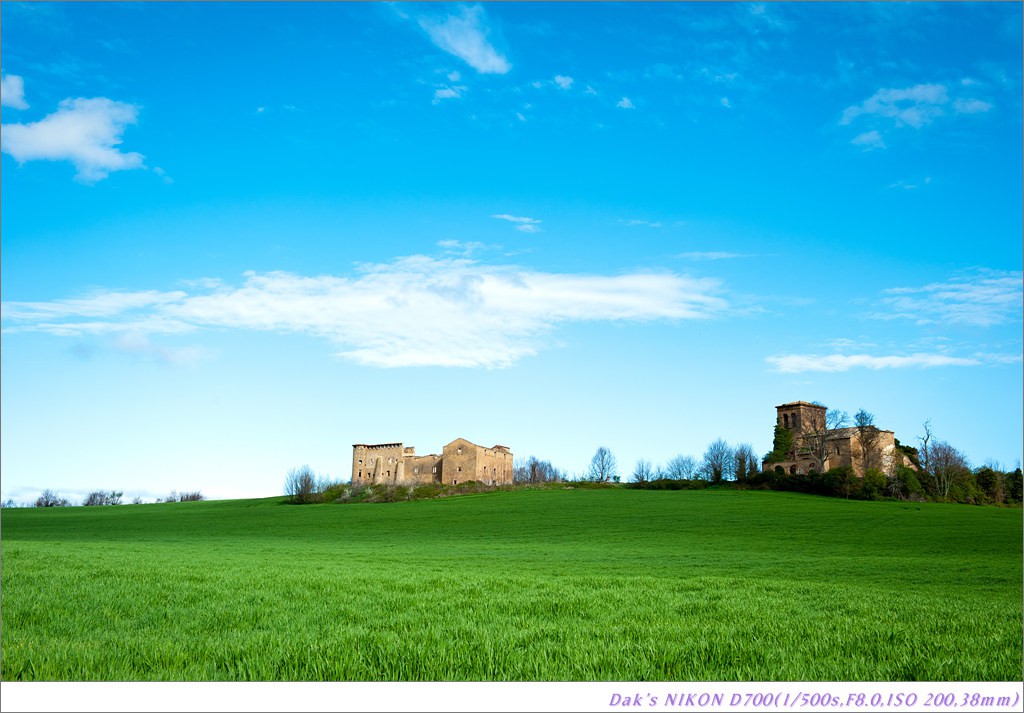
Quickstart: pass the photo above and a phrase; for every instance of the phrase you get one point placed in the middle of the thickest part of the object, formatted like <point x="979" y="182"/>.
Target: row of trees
<point x="719" y="463"/>
<point x="53" y="499"/>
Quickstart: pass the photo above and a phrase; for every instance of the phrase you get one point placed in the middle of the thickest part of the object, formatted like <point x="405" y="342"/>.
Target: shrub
<point x="100" y="497"/>
<point x="872" y="485"/>
<point x="51" y="499"/>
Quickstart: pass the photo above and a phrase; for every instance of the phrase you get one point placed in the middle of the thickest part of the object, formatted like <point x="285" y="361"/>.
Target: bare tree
<point x="923" y="452"/>
<point x="868" y="435"/>
<point x="301" y="485"/>
<point x="534" y="470"/>
<point x="51" y="499"/>
<point x="101" y="497"/>
<point x="815" y="435"/>
<point x="947" y="465"/>
<point x="603" y="466"/>
<point x="681" y="468"/>
<point x="643" y="471"/>
<point x="718" y="461"/>
<point x="745" y="461"/>
<point x="137" y="500"/>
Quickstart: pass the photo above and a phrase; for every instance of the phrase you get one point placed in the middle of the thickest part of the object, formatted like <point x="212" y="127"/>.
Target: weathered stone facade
<point x="460" y="461"/>
<point x="817" y="447"/>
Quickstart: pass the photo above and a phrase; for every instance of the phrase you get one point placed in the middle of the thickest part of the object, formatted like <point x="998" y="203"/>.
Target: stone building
<point x="459" y="461"/>
<point x="817" y="447"/>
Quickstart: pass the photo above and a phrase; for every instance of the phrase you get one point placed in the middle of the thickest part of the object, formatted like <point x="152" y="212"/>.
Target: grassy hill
<point x="527" y="585"/>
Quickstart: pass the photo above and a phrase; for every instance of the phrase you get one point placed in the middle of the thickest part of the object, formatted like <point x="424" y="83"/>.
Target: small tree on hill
<point x="718" y="462"/>
<point x="51" y="499"/>
<point x="301" y="485"/>
<point x="681" y="468"/>
<point x="603" y="467"/>
<point x="643" y="471"/>
<point x="745" y="461"/>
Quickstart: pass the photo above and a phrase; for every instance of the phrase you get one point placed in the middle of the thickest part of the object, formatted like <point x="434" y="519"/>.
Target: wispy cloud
<point x="465" y="35"/>
<point x="709" y="255"/>
<point x="12" y="92"/>
<point x="869" y="140"/>
<point x="562" y="81"/>
<point x="412" y="311"/>
<point x="85" y="132"/>
<point x="523" y="224"/>
<point x="625" y="103"/>
<point x="448" y="93"/>
<point x="908" y="186"/>
<point x="915" y="107"/>
<point x="647" y="223"/>
<point x="982" y="298"/>
<point x="800" y="363"/>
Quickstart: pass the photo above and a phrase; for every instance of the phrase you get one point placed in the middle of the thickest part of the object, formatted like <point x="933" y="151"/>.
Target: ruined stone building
<point x="460" y="461"/>
<point x="817" y="447"/>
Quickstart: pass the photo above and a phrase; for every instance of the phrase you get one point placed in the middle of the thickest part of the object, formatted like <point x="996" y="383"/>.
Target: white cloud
<point x="869" y="140"/>
<point x="85" y="132"/>
<point x="970" y="106"/>
<point x="983" y="298"/>
<point x="519" y="115"/>
<point x="12" y="92"/>
<point x="914" y="106"/>
<point x="726" y="103"/>
<point x="448" y="93"/>
<point x="525" y="225"/>
<point x="800" y="363"/>
<point x="454" y="76"/>
<point x="625" y="103"/>
<point x="465" y="36"/>
<point x="412" y="311"/>
<point x="647" y="223"/>
<point x="709" y="256"/>
<point x="563" y="82"/>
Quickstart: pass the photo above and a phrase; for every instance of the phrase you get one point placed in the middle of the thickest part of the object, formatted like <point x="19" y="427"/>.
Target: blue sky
<point x="238" y="238"/>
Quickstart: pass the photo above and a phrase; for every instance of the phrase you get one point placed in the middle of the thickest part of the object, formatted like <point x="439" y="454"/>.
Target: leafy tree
<point x="603" y="467"/>
<point x="782" y="444"/>
<point x="992" y="481"/>
<point x="872" y="485"/>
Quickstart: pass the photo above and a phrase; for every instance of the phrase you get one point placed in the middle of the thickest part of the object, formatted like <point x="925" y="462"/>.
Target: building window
<point x="785" y="420"/>
<point x="455" y="482"/>
<point x="434" y="470"/>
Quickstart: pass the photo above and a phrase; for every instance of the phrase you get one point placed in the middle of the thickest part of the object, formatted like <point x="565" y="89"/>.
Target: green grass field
<point x="569" y="585"/>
